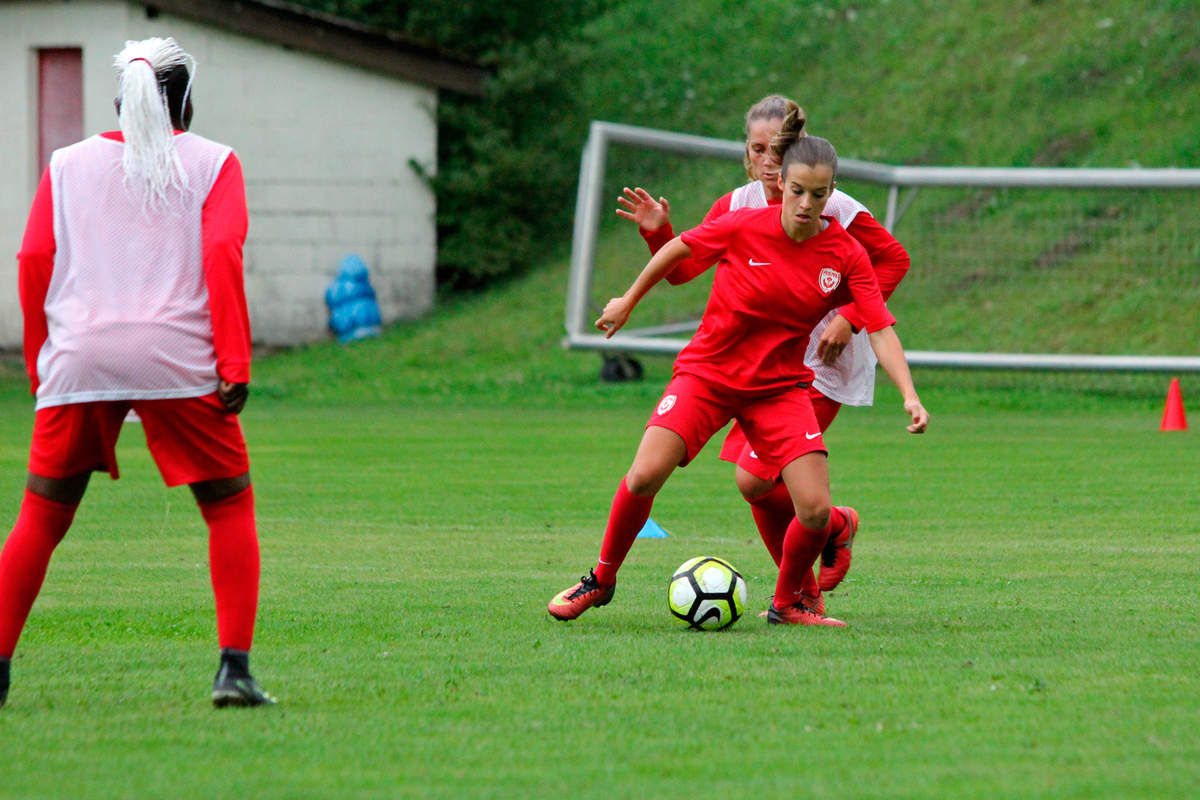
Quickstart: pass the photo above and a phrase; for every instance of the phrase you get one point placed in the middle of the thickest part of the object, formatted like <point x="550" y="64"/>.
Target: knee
<point x="644" y="482"/>
<point x="217" y="490"/>
<point x="812" y="512"/>
<point x="750" y="485"/>
<point x="67" y="491"/>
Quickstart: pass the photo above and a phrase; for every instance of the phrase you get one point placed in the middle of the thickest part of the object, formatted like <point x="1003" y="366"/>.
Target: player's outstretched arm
<point x="638" y="206"/>
<point x="890" y="353"/>
<point x="618" y="309"/>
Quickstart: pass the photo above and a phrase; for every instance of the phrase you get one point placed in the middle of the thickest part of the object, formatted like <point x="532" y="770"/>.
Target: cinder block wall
<point x="325" y="148"/>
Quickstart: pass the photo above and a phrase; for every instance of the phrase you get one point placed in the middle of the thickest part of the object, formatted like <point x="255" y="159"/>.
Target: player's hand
<point x="638" y="206"/>
<point x="920" y="417"/>
<point x="233" y="395"/>
<point x="616" y="312"/>
<point x="834" y="339"/>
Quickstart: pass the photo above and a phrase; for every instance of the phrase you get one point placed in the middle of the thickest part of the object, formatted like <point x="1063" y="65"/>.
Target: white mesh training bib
<point x="127" y="307"/>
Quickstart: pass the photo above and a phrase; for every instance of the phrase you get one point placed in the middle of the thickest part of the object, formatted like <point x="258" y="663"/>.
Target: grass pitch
<point x="1023" y="608"/>
<point x="1022" y="614"/>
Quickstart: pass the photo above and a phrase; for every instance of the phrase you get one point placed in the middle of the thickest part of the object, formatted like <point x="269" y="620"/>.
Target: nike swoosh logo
<point x="754" y="263"/>
<point x="811" y="436"/>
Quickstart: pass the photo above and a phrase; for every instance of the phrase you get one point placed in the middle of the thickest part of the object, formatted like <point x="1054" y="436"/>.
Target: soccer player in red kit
<point x="131" y="287"/>
<point x="838" y="351"/>
<point x="779" y="271"/>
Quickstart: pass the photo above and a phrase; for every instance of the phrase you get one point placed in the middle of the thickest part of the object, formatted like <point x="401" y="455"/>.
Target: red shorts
<point x="191" y="439"/>
<point x="782" y="424"/>
<point x="737" y="450"/>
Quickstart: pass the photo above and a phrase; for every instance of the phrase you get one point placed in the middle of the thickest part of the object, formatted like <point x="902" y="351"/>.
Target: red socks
<point x="40" y="526"/>
<point x="233" y="554"/>
<point x="625" y="521"/>
<point x="234" y="565"/>
<point x="801" y="547"/>
<point x="773" y="513"/>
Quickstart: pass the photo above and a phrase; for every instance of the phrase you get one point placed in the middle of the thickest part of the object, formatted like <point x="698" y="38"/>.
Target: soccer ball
<point x="706" y="593"/>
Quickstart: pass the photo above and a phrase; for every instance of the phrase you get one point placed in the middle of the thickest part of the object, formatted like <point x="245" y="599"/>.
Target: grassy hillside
<point x="1098" y="84"/>
<point x="953" y="82"/>
<point x="949" y="82"/>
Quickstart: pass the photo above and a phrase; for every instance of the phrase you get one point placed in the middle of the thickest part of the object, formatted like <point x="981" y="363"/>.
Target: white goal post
<point x="670" y="338"/>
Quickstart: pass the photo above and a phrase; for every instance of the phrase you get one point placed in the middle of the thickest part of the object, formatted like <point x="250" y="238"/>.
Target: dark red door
<point x="60" y="100"/>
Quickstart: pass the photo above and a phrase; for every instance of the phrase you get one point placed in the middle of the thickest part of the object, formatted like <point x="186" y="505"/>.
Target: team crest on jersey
<point x="666" y="405"/>
<point x="829" y="279"/>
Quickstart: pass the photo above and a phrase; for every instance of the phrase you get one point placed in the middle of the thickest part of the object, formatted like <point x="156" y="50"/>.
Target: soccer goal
<point x="996" y="247"/>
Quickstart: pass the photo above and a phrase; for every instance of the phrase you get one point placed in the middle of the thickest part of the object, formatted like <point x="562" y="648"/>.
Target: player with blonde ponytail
<point x="839" y="352"/>
<point x="131" y="284"/>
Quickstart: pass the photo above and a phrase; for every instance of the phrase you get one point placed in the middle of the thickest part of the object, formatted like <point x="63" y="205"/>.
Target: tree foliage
<point x="506" y="170"/>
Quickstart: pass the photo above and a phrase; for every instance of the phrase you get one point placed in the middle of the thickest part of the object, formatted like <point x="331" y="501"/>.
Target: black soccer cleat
<point x="4" y="679"/>
<point x="234" y="686"/>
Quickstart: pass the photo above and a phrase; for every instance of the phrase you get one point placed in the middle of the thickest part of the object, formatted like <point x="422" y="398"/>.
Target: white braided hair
<point x="152" y="166"/>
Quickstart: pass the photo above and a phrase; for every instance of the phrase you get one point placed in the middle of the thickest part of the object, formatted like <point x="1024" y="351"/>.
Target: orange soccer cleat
<point x="817" y="603"/>
<point x="800" y="614"/>
<point x="573" y="601"/>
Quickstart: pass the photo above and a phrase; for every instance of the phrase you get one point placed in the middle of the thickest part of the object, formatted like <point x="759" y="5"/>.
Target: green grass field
<point x="1022" y="608"/>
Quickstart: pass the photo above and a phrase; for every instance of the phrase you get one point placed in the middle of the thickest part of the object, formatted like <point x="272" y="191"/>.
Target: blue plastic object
<point x="652" y="530"/>
<point x="353" y="310"/>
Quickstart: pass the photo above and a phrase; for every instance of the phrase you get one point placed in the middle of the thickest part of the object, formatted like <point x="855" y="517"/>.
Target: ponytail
<point x="792" y="145"/>
<point x="151" y="163"/>
<point x="774" y="106"/>
<point x="791" y="130"/>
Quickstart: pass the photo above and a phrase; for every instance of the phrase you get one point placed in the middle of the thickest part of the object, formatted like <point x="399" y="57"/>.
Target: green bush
<point x="507" y="162"/>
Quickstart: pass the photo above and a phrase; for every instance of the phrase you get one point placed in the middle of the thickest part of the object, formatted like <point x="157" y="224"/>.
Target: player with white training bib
<point x="780" y="270"/>
<point x="131" y="286"/>
<point x="838" y="353"/>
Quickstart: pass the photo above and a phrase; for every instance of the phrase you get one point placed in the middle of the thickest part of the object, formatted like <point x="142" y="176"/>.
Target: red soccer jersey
<point x="768" y="293"/>
<point x="888" y="256"/>
<point x="689" y="268"/>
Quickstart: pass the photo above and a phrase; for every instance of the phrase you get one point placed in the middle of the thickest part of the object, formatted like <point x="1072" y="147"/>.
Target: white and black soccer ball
<point x="707" y="593"/>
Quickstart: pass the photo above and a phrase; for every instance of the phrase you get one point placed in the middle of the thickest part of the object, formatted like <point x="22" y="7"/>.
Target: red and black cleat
<point x="835" y="557"/>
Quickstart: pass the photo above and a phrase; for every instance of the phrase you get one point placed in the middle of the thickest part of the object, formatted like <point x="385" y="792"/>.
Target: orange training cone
<point x="1173" y="416"/>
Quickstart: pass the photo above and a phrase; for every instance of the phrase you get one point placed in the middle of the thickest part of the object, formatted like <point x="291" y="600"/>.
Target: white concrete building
<point x="327" y="117"/>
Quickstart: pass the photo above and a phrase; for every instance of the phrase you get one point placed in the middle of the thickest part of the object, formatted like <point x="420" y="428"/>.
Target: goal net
<point x="1012" y="268"/>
